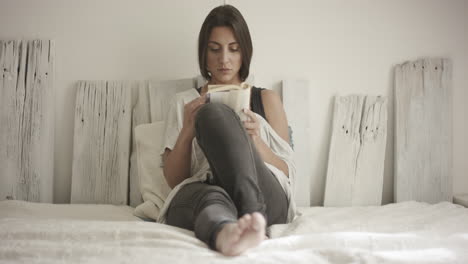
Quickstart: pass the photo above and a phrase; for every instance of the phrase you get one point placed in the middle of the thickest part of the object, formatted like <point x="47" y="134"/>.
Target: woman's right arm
<point x="177" y="162"/>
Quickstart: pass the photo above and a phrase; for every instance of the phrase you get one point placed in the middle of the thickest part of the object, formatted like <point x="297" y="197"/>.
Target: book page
<point x="227" y="87"/>
<point x="235" y="99"/>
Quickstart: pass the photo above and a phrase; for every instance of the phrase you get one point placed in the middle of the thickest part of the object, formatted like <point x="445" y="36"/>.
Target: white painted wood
<point x="141" y="97"/>
<point x="161" y="92"/>
<point x="27" y="120"/>
<point x="357" y="151"/>
<point x="423" y="131"/>
<point x="299" y="120"/>
<point x="101" y="150"/>
<point x="344" y="149"/>
<point x="368" y="185"/>
<point x="140" y="115"/>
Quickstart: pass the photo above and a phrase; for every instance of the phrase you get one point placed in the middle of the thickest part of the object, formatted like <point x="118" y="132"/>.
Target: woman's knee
<point x="213" y="114"/>
<point x="217" y="123"/>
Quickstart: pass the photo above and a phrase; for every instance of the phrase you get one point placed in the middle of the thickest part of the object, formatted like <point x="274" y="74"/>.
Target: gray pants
<point x="241" y="183"/>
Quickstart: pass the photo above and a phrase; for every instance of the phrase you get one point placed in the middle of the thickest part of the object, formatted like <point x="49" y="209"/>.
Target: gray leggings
<point x="241" y="182"/>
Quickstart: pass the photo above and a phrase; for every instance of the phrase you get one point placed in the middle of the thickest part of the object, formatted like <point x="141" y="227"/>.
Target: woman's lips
<point x="224" y="70"/>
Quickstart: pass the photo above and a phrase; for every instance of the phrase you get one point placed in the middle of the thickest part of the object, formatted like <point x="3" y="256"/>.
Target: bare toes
<point x="258" y="221"/>
<point x="248" y="232"/>
<point x="247" y="217"/>
<point x="244" y="222"/>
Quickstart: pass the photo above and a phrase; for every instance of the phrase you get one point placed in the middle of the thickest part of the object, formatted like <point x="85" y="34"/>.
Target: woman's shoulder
<point x="268" y="96"/>
<point x="258" y="90"/>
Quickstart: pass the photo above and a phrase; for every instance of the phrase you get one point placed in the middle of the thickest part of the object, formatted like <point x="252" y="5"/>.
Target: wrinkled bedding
<point x="409" y="232"/>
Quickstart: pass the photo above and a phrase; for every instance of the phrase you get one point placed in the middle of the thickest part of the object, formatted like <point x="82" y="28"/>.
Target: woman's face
<point x="223" y="56"/>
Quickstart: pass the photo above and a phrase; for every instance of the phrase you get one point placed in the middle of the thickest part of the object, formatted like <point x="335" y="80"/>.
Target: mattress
<point x="103" y="212"/>
<point x="408" y="232"/>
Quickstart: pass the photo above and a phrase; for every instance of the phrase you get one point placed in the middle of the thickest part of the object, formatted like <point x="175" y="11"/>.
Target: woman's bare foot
<point x="247" y="232"/>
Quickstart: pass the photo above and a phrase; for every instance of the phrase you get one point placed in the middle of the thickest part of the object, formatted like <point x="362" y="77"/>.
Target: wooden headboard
<point x="106" y="113"/>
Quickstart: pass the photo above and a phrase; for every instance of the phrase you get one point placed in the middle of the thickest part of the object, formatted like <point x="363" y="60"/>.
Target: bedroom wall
<point x="341" y="47"/>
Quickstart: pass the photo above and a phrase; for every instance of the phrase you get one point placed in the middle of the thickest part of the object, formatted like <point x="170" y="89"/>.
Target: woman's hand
<point x="252" y="125"/>
<point x="190" y="110"/>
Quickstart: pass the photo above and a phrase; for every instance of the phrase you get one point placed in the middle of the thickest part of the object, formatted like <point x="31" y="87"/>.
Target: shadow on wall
<point x="387" y="193"/>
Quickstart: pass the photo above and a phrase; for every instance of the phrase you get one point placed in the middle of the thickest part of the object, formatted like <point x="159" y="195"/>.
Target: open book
<point x="236" y="97"/>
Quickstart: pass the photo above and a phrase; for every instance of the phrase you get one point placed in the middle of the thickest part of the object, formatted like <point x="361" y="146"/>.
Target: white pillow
<point x="153" y="186"/>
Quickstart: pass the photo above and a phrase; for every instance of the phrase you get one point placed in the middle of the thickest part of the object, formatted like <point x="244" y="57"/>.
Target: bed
<point x="116" y="194"/>
<point x="407" y="232"/>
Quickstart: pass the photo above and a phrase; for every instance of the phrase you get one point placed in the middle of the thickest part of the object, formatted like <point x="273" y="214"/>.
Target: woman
<point x="230" y="179"/>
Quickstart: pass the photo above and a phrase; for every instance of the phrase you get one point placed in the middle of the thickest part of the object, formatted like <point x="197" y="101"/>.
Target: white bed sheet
<point x="106" y="212"/>
<point x="407" y="232"/>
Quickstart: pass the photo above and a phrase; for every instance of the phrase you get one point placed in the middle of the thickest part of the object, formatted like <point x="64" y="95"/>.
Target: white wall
<point x="341" y="47"/>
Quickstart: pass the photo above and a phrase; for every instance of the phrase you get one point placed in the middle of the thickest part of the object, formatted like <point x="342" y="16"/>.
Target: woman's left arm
<point x="276" y="117"/>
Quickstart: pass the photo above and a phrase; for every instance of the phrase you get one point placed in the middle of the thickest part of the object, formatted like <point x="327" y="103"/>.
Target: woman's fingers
<point x="196" y="103"/>
<point x="250" y="132"/>
<point x="199" y="103"/>
<point x="250" y="114"/>
<point x="252" y="121"/>
<point x="250" y="125"/>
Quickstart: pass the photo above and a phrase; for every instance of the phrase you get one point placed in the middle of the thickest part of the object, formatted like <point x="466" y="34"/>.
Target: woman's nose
<point x="224" y="57"/>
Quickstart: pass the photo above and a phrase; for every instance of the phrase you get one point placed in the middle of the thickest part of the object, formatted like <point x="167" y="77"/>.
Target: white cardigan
<point x="200" y="168"/>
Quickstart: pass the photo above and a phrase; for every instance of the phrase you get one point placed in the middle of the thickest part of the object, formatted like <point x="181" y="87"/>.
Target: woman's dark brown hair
<point x="229" y="16"/>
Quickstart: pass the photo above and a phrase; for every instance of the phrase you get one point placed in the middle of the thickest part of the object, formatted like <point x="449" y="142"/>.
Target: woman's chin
<point x="225" y="80"/>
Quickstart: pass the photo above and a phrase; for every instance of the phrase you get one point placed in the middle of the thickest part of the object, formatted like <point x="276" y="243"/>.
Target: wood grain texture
<point x="357" y="151"/>
<point x="368" y="185"/>
<point x="140" y="115"/>
<point x="27" y="120"/>
<point x="101" y="149"/>
<point x="107" y="112"/>
<point x="299" y="119"/>
<point x="423" y="131"/>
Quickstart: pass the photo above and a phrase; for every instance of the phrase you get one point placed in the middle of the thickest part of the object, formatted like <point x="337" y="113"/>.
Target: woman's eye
<point x="218" y="49"/>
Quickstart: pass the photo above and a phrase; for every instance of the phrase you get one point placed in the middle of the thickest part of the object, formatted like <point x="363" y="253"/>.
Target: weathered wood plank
<point x="344" y="149"/>
<point x="368" y="185"/>
<point x="161" y="93"/>
<point x="357" y="151"/>
<point x="101" y="150"/>
<point x="142" y="97"/>
<point x="423" y="131"/>
<point x="27" y="118"/>
<point x="299" y="119"/>
<point x="140" y="115"/>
